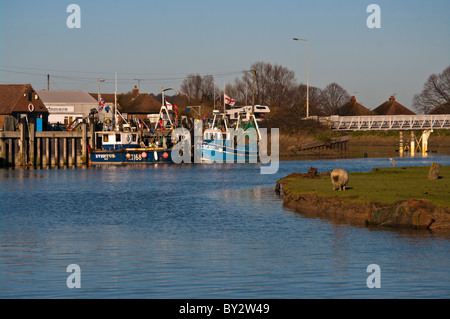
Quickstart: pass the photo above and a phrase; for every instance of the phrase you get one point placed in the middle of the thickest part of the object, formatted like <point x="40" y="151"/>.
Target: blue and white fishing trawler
<point x="222" y="144"/>
<point x="127" y="147"/>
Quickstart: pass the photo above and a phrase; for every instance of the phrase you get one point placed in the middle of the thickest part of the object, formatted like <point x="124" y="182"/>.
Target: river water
<point x="200" y="231"/>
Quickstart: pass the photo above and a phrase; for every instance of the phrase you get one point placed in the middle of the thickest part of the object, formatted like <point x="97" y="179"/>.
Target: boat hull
<point x="130" y="156"/>
<point x="217" y="153"/>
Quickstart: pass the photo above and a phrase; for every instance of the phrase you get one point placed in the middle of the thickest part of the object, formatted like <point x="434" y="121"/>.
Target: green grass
<point x="386" y="185"/>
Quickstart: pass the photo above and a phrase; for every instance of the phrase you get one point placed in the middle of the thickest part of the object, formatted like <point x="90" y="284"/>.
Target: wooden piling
<point x="46" y="159"/>
<point x="30" y="148"/>
<point x="64" y="157"/>
<point x="51" y="145"/>
<point x="83" y="143"/>
<point x="32" y="137"/>
<point x="92" y="143"/>
<point x="2" y="153"/>
<point x="73" y="154"/>
<point x="22" y="158"/>
<point x="56" y="151"/>
<point x="10" y="152"/>
<point x="38" y="152"/>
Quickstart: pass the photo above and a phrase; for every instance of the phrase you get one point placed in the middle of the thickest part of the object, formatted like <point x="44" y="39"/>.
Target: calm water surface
<point x="200" y="231"/>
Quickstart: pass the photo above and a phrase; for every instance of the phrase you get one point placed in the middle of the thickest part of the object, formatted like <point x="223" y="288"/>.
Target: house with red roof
<point x="353" y="108"/>
<point x="392" y="107"/>
<point x="441" y="109"/>
<point x="19" y="101"/>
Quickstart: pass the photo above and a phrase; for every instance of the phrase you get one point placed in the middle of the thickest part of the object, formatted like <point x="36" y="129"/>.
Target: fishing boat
<point x="125" y="145"/>
<point x="224" y="144"/>
<point x="128" y="147"/>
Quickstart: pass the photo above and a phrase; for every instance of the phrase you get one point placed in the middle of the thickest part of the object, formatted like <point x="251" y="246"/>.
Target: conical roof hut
<point x="353" y="108"/>
<point x="441" y="109"/>
<point x="392" y="107"/>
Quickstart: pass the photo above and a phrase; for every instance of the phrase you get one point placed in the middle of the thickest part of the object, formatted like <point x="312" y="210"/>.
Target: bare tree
<point x="207" y="89"/>
<point x="200" y="89"/>
<point x="333" y="97"/>
<point x="282" y="82"/>
<point x="273" y="85"/>
<point x="239" y="91"/>
<point x="315" y="100"/>
<point x="436" y="91"/>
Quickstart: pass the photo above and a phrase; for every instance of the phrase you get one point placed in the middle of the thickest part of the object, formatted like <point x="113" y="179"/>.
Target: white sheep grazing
<point x="339" y="178"/>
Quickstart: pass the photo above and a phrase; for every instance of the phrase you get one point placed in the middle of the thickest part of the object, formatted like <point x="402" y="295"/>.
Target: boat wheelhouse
<point x="118" y="140"/>
<point x="259" y="111"/>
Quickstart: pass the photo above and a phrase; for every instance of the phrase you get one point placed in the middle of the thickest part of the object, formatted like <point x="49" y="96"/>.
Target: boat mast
<point x="115" y="103"/>
<point x="253" y="91"/>
<point x="253" y="105"/>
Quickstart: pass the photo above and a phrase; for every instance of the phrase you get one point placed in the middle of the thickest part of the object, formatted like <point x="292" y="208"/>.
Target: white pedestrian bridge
<point x="390" y="122"/>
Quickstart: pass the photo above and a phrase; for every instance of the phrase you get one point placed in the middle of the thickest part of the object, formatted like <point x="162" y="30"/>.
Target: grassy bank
<point x="384" y="185"/>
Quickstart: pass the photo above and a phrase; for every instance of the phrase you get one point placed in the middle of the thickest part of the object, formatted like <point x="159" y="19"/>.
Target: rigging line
<point x="52" y="75"/>
<point x="18" y="72"/>
<point x="132" y="73"/>
<point x="53" y="70"/>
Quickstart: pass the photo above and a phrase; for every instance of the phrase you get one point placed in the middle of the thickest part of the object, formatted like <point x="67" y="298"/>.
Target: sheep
<point x="339" y="178"/>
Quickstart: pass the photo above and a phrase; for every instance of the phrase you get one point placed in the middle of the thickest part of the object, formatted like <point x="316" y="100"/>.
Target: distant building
<point x="353" y="108"/>
<point x="134" y="105"/>
<point x="392" y="107"/>
<point x="441" y="109"/>
<point x="20" y="101"/>
<point x="66" y="106"/>
<point x="141" y="106"/>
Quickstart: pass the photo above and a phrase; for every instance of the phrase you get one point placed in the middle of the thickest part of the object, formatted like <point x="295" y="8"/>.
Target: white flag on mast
<point x="229" y="100"/>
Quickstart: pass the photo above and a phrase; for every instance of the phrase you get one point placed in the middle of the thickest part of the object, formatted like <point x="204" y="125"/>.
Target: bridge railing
<point x="390" y="122"/>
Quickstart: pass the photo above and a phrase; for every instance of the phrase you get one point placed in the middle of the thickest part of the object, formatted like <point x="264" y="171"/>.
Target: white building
<point x="66" y="106"/>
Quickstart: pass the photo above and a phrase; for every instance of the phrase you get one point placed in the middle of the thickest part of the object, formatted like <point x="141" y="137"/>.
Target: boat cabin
<point x="117" y="140"/>
<point x="216" y="134"/>
<point x="260" y="111"/>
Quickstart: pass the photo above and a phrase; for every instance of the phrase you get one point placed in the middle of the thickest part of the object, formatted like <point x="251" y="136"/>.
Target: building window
<point x="117" y="137"/>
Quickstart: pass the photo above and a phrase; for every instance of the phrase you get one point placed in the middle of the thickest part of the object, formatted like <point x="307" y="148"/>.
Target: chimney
<point x="353" y="99"/>
<point x="135" y="91"/>
<point x="392" y="98"/>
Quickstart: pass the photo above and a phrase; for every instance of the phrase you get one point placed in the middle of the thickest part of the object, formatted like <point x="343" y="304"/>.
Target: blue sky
<point x="162" y="41"/>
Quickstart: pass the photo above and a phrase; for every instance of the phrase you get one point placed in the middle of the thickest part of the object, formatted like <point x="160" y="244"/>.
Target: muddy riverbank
<point x="400" y="198"/>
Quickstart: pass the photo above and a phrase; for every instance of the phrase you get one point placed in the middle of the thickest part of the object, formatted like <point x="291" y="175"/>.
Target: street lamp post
<point x="307" y="74"/>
